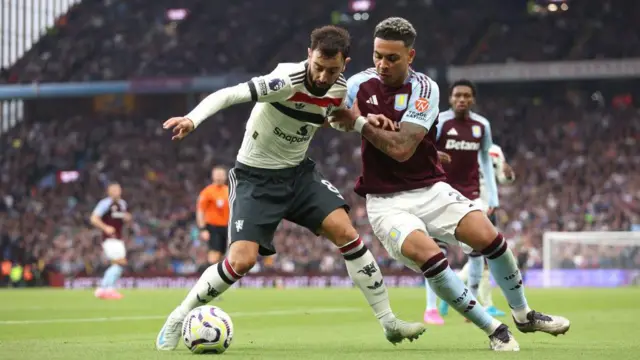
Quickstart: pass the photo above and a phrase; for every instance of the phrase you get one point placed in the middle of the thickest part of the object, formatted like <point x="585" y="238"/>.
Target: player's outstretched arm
<point x="219" y="100"/>
<point x="275" y="86"/>
<point x="183" y="125"/>
<point x="399" y="145"/>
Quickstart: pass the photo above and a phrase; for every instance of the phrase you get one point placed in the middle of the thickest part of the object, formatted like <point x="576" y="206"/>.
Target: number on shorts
<point x="332" y="188"/>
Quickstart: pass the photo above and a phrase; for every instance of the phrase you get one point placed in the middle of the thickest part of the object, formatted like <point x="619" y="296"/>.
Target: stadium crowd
<point x="577" y="168"/>
<point x="110" y="40"/>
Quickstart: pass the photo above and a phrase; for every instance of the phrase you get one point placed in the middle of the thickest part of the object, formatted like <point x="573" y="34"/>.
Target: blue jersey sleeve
<point x="102" y="207"/>
<point x="353" y="85"/>
<point x="423" y="103"/>
<point x="442" y="119"/>
<point x="486" y="166"/>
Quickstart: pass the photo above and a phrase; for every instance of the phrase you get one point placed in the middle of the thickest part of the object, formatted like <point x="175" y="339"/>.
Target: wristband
<point x="359" y="124"/>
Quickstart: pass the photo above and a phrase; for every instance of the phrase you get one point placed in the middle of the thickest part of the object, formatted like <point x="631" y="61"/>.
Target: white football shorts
<point x="114" y="249"/>
<point x="435" y="210"/>
<point x="482" y="204"/>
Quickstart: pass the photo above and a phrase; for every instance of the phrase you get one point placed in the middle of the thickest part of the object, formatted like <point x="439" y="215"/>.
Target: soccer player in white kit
<point x="273" y="179"/>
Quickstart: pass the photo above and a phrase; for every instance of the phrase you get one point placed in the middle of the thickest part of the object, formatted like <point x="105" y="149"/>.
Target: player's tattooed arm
<point x="399" y="145"/>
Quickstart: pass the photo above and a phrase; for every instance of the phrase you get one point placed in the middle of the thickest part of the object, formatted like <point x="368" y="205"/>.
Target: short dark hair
<point x="331" y="40"/>
<point x="464" y="82"/>
<point x="398" y="29"/>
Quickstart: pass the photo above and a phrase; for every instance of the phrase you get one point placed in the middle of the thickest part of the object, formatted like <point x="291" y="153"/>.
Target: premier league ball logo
<point x="276" y="84"/>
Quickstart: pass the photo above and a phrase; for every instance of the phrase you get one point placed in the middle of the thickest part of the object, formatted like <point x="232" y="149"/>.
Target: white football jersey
<point x="286" y="115"/>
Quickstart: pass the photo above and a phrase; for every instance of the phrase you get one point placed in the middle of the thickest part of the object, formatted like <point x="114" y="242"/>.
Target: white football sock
<point x="213" y="282"/>
<point x="365" y="273"/>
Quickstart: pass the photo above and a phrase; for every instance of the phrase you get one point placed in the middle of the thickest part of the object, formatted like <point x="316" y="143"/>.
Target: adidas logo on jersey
<point x="372" y="100"/>
<point x="462" y="145"/>
<point x="452" y="132"/>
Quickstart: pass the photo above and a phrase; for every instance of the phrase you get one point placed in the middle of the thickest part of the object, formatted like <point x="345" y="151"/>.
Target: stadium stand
<point x="120" y="40"/>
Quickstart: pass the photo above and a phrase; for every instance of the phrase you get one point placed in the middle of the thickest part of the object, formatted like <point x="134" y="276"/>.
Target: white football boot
<point x="171" y="331"/>
<point x="550" y="324"/>
<point x="397" y="330"/>
<point x="502" y="340"/>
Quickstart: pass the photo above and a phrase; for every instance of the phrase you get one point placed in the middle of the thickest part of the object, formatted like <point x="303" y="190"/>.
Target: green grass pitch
<point x="305" y="324"/>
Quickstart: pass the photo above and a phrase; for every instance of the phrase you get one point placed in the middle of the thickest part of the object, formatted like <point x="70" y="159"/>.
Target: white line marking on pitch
<point x="157" y="317"/>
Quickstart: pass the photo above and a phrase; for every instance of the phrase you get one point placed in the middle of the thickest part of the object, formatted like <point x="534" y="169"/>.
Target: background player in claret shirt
<point x="408" y="202"/>
<point x="110" y="216"/>
<point x="274" y="180"/>
<point x="212" y="214"/>
<point x="465" y="138"/>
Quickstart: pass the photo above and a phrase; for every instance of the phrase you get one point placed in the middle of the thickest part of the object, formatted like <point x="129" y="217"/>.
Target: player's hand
<point x="508" y="171"/>
<point x="381" y="121"/>
<point x="204" y="235"/>
<point x="345" y="117"/>
<point x="109" y="230"/>
<point x="181" y="127"/>
<point x="128" y="217"/>
<point x="444" y="157"/>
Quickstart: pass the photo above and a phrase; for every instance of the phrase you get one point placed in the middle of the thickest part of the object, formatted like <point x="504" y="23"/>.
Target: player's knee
<point x="242" y="264"/>
<point x="419" y="247"/>
<point x="476" y="230"/>
<point x="243" y="255"/>
<point x="338" y="228"/>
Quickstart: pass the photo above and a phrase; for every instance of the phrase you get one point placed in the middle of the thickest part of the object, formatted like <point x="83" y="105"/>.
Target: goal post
<point x="566" y="258"/>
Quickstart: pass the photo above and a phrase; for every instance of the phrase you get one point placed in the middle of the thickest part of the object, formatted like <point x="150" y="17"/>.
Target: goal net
<point x="591" y="259"/>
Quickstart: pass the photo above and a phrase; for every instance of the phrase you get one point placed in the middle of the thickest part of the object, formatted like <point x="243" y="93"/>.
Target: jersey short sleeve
<point x="276" y="86"/>
<point x="423" y="107"/>
<point x="487" y="139"/>
<point x="353" y="85"/>
<point x="442" y="119"/>
<point x="102" y="207"/>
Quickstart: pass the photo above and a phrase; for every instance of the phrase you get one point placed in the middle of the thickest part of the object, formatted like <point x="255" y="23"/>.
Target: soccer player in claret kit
<point x="274" y="180"/>
<point x="408" y="201"/>
<point x="464" y="137"/>
<point x="110" y="215"/>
